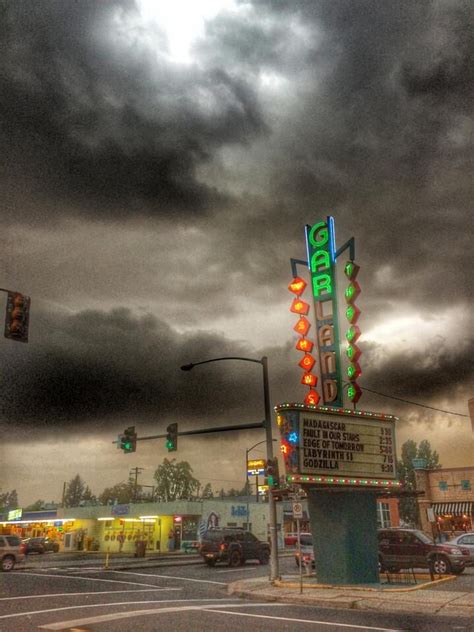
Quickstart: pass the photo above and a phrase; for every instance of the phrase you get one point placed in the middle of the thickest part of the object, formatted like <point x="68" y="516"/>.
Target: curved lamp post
<point x="274" y="573"/>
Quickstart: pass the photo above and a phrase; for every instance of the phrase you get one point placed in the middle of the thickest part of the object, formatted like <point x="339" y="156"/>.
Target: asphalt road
<point x="179" y="598"/>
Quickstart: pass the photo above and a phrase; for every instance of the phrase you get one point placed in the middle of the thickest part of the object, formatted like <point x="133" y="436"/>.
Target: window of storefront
<point x="383" y="515"/>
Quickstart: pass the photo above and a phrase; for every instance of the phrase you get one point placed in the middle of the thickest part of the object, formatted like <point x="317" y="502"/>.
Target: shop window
<point x="466" y="485"/>
<point x="443" y="486"/>
<point x="383" y="515"/>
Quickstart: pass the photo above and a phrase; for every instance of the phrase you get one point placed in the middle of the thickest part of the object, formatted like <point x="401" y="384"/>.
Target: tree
<point x="175" y="481"/>
<point x="432" y="457"/>
<point x="36" y="506"/>
<point x="122" y="494"/>
<point x="9" y="500"/>
<point x="74" y="492"/>
<point x="88" y="497"/>
<point x="207" y="491"/>
<point x="406" y="473"/>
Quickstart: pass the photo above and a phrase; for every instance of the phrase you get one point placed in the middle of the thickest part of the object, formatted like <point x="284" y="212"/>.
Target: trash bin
<point x="140" y="548"/>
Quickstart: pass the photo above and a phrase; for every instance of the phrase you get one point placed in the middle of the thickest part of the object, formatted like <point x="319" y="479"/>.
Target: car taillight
<point x="223" y="547"/>
<point x="465" y="551"/>
<point x="22" y="548"/>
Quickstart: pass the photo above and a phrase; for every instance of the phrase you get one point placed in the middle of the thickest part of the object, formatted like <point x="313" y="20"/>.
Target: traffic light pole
<point x="267" y="424"/>
<point x="274" y="570"/>
<point x="260" y="424"/>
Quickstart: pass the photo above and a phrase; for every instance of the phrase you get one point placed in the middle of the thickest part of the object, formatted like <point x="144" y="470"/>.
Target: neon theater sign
<point x="322" y="442"/>
<point x="321" y="263"/>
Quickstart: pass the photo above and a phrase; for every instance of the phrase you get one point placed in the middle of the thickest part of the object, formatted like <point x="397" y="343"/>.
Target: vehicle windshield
<point x="424" y="538"/>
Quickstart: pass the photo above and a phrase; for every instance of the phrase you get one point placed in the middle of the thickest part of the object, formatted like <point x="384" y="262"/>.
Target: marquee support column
<point x="344" y="528"/>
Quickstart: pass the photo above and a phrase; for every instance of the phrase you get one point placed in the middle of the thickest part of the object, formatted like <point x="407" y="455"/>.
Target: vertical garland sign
<point x="321" y="262"/>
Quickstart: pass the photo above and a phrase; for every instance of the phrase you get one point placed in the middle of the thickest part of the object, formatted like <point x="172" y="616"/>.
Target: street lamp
<point x="274" y="573"/>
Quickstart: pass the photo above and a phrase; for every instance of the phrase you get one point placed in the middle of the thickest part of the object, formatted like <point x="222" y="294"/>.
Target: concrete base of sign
<point x="344" y="528"/>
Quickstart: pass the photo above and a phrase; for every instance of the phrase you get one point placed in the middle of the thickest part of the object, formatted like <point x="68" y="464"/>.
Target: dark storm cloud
<point x="96" y="365"/>
<point x="100" y="365"/>
<point x="378" y="129"/>
<point x="438" y="371"/>
<point x="95" y="115"/>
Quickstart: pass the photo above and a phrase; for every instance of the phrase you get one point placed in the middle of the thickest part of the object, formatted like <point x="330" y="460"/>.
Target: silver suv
<point x="12" y="552"/>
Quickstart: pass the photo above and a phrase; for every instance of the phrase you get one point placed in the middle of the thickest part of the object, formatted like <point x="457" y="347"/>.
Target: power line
<point x="406" y="401"/>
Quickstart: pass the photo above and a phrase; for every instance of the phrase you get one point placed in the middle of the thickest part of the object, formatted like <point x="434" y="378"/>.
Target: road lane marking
<point x="333" y="624"/>
<point x="93" y="605"/>
<point x="184" y="579"/>
<point x="67" y="625"/>
<point x="95" y="579"/>
<point x="237" y="570"/>
<point x="95" y="592"/>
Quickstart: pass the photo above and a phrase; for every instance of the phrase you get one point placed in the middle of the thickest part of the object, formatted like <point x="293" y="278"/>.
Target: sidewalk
<point x="116" y="561"/>
<point x="421" y="600"/>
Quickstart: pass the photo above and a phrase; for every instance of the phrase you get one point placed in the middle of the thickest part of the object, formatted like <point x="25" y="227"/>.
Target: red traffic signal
<point x="17" y="316"/>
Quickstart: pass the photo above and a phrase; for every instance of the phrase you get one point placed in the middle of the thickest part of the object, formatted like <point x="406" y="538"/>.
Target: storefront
<point x="447" y="504"/>
<point x="36" y="524"/>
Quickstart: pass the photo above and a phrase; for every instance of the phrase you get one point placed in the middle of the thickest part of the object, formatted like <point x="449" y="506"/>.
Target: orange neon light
<point x="312" y="398"/>
<point x="308" y="379"/>
<point x="304" y="344"/>
<point x="297" y="286"/>
<point x="299" y="307"/>
<point x="307" y="362"/>
<point x="302" y="326"/>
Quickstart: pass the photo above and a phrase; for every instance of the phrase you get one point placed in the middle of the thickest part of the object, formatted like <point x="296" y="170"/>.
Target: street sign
<point x="256" y="467"/>
<point x="297" y="511"/>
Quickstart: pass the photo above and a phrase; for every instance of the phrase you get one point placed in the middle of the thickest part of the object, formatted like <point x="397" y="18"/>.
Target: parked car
<point x="232" y="546"/>
<point x="466" y="540"/>
<point x="40" y="545"/>
<point x="12" y="552"/>
<point x="290" y="539"/>
<point x="307" y="550"/>
<point x="410" y="548"/>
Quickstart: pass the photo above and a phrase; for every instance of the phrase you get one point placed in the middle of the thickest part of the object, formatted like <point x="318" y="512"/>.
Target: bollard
<point x="107" y="554"/>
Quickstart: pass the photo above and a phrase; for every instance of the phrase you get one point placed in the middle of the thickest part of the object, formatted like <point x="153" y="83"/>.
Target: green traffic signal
<point x="172" y="437"/>
<point x="128" y="440"/>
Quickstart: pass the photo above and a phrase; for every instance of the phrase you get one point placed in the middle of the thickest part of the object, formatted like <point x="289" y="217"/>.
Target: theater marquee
<point x="336" y="446"/>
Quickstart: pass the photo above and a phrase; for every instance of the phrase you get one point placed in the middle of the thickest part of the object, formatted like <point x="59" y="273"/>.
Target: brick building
<point x="447" y="505"/>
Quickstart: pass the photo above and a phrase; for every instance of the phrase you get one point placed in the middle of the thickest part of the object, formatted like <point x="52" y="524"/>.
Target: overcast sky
<point x="159" y="162"/>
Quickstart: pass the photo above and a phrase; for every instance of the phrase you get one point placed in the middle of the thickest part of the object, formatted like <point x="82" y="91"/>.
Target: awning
<point x="454" y="509"/>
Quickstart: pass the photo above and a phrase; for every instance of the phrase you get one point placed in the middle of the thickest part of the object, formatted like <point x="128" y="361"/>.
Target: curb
<point x="391" y="603"/>
<point x="289" y="584"/>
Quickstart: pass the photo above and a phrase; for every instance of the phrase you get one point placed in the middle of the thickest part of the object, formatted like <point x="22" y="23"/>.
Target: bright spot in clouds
<point x="183" y="21"/>
<point x="414" y="330"/>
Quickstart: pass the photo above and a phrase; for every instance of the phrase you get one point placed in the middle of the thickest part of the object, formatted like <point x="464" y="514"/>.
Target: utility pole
<point x="137" y="470"/>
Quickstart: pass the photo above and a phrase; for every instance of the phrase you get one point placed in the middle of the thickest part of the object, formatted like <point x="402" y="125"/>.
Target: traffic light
<point x="128" y="440"/>
<point x="17" y="316"/>
<point x="271" y="473"/>
<point x="172" y="437"/>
